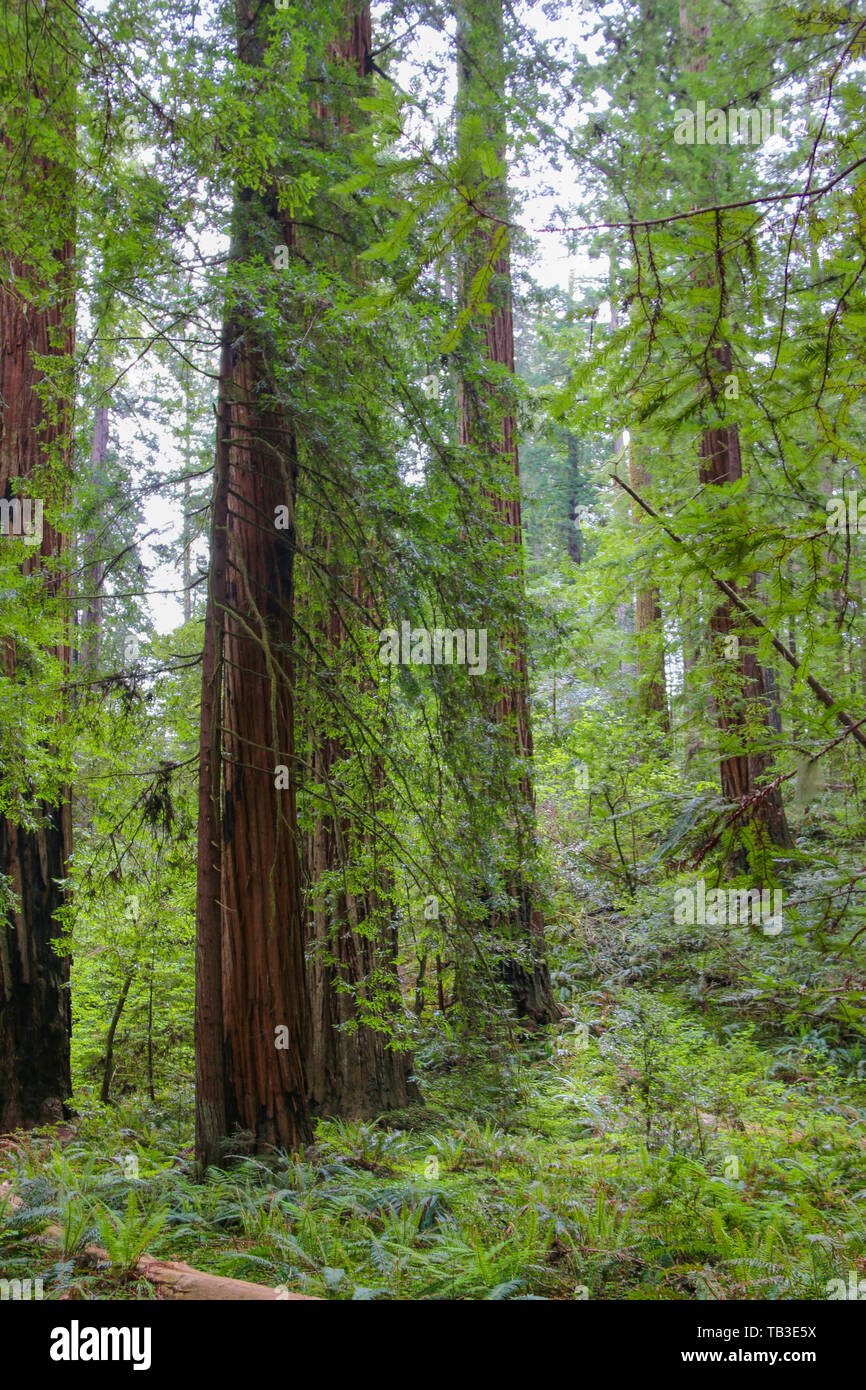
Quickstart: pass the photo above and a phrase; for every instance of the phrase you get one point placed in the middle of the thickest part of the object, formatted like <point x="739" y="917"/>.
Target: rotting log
<point x="173" y="1278"/>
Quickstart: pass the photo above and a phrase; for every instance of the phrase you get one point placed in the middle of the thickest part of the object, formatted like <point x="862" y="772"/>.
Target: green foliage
<point x="694" y="1127"/>
<point x="667" y="1158"/>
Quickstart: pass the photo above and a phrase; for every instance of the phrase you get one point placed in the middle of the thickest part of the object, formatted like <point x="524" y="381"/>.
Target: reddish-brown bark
<point x="34" y="458"/>
<point x="742" y="771"/>
<point x="210" y="1113"/>
<point x="720" y="463"/>
<point x="262" y="931"/>
<point x="252" y="1036"/>
<point x="351" y="937"/>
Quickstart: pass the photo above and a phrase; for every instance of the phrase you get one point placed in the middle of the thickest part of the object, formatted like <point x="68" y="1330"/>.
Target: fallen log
<point x="173" y="1278"/>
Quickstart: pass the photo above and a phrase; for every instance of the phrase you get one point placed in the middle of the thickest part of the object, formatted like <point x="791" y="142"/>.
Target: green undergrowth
<point x="648" y="1149"/>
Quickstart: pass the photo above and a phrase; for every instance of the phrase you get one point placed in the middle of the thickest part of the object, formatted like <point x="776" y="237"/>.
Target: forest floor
<point x="686" y="1134"/>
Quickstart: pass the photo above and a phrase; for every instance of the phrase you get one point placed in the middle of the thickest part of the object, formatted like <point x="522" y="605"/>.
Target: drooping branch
<point x="818" y="690"/>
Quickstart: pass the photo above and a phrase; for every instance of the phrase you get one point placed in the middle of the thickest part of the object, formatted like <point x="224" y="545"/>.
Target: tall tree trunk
<point x="263" y="963"/>
<point x="651" y="686"/>
<point x="210" y="1109"/>
<point x="108" y="1061"/>
<point x="264" y="1010"/>
<point x="35" y="445"/>
<point x="741" y="770"/>
<point x="351" y="936"/>
<point x="481" y="99"/>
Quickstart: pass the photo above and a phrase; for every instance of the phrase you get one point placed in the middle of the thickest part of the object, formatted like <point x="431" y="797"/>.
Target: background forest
<point x="432" y="650"/>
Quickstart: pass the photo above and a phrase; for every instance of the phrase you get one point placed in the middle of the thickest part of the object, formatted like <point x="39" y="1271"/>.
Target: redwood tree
<point x="488" y="432"/>
<point x="737" y="701"/>
<point x="742" y="768"/>
<point x="36" y="322"/>
<point x="251" y="1004"/>
<point x="352" y="1070"/>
